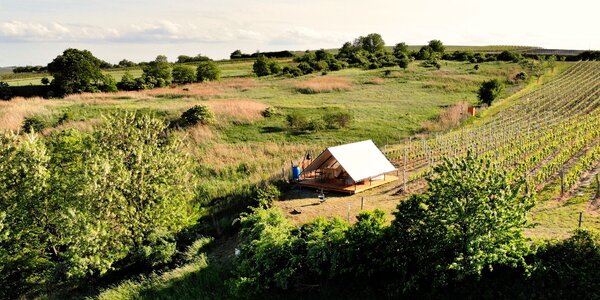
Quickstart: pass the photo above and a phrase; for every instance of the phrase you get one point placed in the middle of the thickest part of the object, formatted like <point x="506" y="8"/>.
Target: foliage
<point x="568" y="268"/>
<point x="198" y="114"/>
<point x="371" y="43"/>
<point x="261" y="66"/>
<point x="181" y="59"/>
<point x="157" y="73"/>
<point x="404" y="62"/>
<point x="5" y="91"/>
<point x="33" y="124"/>
<point x="79" y="203"/>
<point x="269" y="112"/>
<point x="468" y="220"/>
<point x="296" y="121"/>
<point x="490" y="90"/>
<point x="77" y="71"/>
<point x="124" y="63"/>
<point x="436" y="46"/>
<point x="265" y="193"/>
<point x="129" y="83"/>
<point x="45" y="81"/>
<point x="338" y="119"/>
<point x="183" y="74"/>
<point x="401" y="50"/>
<point x="208" y="71"/>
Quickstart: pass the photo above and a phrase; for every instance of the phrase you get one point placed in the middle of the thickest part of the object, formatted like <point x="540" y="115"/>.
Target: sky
<point x="33" y="32"/>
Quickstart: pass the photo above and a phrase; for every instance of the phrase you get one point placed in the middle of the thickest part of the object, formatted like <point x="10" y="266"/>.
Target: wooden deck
<point x="351" y="189"/>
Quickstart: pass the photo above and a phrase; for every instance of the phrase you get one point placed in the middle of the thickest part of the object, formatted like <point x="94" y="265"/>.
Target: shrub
<point x="315" y="124"/>
<point x="198" y="114"/>
<point x="292" y="71"/>
<point x="305" y="67"/>
<point x="404" y="62"/>
<point x="158" y="73"/>
<point x="194" y="251"/>
<point x="261" y="66"/>
<point x="274" y="68"/>
<point x="521" y="76"/>
<point x="128" y="83"/>
<point x="5" y="91"/>
<point x="337" y="120"/>
<point x="509" y="56"/>
<point x="489" y="91"/>
<point x="208" y="71"/>
<point x="265" y="193"/>
<point x="183" y="74"/>
<point x="33" y="124"/>
<point x="296" y="121"/>
<point x="269" y="112"/>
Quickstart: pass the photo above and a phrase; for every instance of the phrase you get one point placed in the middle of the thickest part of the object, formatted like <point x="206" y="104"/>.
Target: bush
<point x="292" y="71"/>
<point x="490" y="90"/>
<point x="208" y="71"/>
<point x="261" y="66"/>
<point x="404" y="62"/>
<point x="265" y="193"/>
<point x="198" y="114"/>
<point x="33" y="124"/>
<point x="338" y="120"/>
<point x="315" y="124"/>
<point x="296" y="121"/>
<point x="305" y="67"/>
<point x="183" y="74"/>
<point x="5" y="91"/>
<point x="269" y="112"/>
<point x="158" y="73"/>
<point x="274" y="68"/>
<point x="129" y="83"/>
<point x="509" y="56"/>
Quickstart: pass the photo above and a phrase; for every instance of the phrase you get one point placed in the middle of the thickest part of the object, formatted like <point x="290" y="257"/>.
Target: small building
<point x="349" y="168"/>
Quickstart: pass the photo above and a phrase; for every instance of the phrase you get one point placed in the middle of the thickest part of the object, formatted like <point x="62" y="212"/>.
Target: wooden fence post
<point x="597" y="186"/>
<point x="562" y="181"/>
<point x="580" y="217"/>
<point x="362" y="202"/>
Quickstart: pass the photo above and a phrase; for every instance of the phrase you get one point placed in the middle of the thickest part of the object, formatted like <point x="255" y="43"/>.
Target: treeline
<point x="237" y="54"/>
<point x="462" y="238"/>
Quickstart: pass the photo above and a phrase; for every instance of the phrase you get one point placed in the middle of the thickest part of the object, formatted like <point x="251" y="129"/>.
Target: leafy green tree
<point x="127" y="82"/>
<point x="77" y="71"/>
<point x="470" y="219"/>
<point x="404" y="62"/>
<point x="125" y="64"/>
<point x="261" y="66"/>
<point x="5" y="91"/>
<point x="371" y="43"/>
<point x="436" y="46"/>
<point x="208" y="71"/>
<point x="158" y="73"/>
<point x="401" y="50"/>
<point x="183" y="74"/>
<point x="27" y="215"/>
<point x="425" y="53"/>
<point x="489" y="91"/>
<point x="236" y="54"/>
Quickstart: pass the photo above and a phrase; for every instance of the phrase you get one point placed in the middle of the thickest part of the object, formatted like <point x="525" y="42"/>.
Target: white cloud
<point x="17" y="31"/>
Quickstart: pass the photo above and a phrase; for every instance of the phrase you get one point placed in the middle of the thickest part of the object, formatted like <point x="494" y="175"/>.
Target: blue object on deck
<point x="295" y="172"/>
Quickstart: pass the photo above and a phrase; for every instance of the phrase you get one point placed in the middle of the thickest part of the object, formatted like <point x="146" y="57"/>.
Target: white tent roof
<point x="361" y="160"/>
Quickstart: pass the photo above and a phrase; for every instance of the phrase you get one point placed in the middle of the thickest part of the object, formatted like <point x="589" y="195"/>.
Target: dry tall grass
<point x="376" y="81"/>
<point x="13" y="112"/>
<point x="324" y="84"/>
<point x="237" y="110"/>
<point x="450" y="118"/>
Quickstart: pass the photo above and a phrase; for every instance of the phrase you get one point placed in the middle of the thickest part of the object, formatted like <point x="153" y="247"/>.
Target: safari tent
<point x="350" y="168"/>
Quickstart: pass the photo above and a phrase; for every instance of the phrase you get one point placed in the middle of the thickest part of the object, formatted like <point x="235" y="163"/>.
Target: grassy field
<point x="243" y="147"/>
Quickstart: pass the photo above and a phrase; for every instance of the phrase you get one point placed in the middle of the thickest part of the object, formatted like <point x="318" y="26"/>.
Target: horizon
<point x="35" y="32"/>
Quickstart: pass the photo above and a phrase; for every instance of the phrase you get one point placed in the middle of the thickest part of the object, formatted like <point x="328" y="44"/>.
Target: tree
<point x="76" y="71"/>
<point x="125" y="64"/>
<point x="470" y="219"/>
<point x="127" y="83"/>
<point x="436" y="46"/>
<point x="404" y="62"/>
<point x="489" y="91"/>
<point x="370" y="43"/>
<point x="45" y="81"/>
<point x="183" y="74"/>
<point x="236" y="54"/>
<point x="158" y="72"/>
<point x="5" y="91"/>
<point x="208" y="71"/>
<point x="401" y="50"/>
<point x="261" y="66"/>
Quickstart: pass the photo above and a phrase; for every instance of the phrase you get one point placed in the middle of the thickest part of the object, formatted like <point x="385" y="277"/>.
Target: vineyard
<point x="547" y="134"/>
